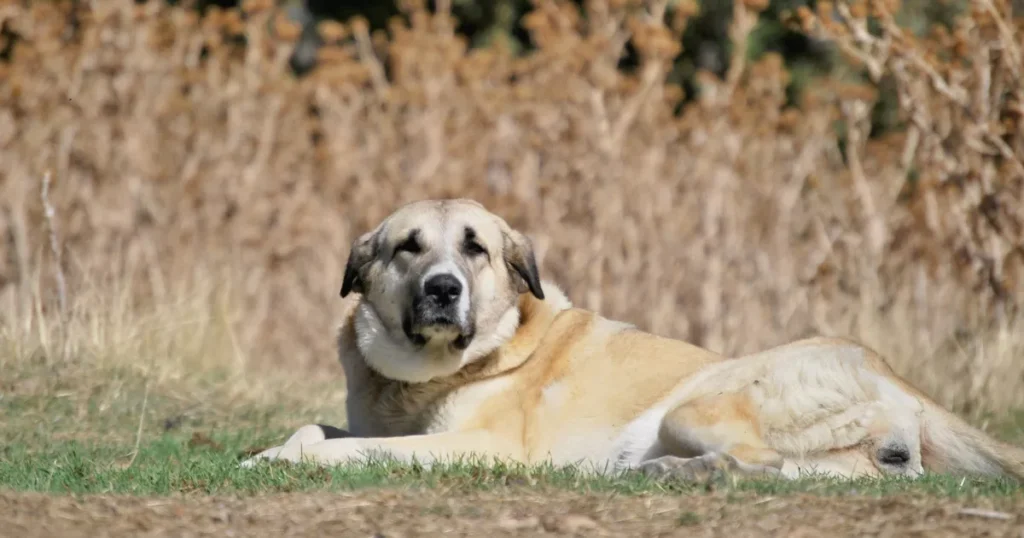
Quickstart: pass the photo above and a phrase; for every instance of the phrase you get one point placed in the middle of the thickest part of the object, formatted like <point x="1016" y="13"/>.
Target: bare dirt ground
<point x="395" y="513"/>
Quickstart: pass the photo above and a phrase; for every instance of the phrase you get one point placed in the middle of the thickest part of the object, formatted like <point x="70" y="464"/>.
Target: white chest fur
<point x="462" y="407"/>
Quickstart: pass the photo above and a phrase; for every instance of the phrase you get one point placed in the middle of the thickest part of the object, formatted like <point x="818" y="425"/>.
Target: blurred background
<point x="180" y="181"/>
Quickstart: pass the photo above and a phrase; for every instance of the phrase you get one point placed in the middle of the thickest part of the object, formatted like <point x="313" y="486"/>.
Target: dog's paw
<point x="702" y="469"/>
<point x="699" y="469"/>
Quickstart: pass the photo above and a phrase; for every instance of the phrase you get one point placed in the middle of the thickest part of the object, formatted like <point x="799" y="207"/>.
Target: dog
<point x="456" y="347"/>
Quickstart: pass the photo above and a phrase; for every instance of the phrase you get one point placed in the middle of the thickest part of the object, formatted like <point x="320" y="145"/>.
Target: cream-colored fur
<point x="544" y="381"/>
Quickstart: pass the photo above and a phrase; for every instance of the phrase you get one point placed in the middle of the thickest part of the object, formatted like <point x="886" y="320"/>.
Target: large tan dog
<point x="456" y="348"/>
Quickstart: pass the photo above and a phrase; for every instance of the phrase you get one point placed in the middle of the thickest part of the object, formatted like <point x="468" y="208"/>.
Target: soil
<point x="399" y="513"/>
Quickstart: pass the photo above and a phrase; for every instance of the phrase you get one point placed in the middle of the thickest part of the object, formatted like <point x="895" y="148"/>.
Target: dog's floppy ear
<point x="363" y="250"/>
<point x="518" y="250"/>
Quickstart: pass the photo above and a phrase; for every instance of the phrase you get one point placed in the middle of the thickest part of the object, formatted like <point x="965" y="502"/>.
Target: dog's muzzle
<point x="435" y="313"/>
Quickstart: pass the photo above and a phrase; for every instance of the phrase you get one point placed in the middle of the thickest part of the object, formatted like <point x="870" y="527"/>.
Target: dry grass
<point x="206" y="199"/>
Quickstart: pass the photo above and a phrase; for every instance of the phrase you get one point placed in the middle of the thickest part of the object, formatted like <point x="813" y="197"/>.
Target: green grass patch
<point x="76" y="434"/>
<point x="175" y="464"/>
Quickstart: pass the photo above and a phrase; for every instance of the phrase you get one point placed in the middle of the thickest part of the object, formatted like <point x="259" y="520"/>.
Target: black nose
<point x="444" y="289"/>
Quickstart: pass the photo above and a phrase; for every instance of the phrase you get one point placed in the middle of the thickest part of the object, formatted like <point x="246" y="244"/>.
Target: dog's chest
<point x="475" y="406"/>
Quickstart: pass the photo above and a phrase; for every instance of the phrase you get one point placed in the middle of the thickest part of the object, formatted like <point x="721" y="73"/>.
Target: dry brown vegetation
<point x="205" y="199"/>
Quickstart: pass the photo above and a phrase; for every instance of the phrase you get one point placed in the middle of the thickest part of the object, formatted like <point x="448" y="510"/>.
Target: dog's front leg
<point x="424" y="449"/>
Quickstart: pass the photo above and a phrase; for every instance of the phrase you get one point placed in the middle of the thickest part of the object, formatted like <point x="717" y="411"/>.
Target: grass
<point x="175" y="464"/>
<point x="155" y="402"/>
<point x="117" y="436"/>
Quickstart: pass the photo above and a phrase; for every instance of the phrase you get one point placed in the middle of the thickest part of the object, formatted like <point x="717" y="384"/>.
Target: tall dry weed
<point x="183" y="149"/>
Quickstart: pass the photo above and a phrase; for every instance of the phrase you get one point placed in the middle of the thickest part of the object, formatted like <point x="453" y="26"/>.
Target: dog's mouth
<point x="422" y="330"/>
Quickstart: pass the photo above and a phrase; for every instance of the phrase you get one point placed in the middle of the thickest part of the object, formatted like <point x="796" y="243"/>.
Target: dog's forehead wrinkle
<point x="473" y="227"/>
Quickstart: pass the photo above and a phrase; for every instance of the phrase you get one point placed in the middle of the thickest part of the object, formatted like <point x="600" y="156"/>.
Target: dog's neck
<point x="535" y="317"/>
<point x="517" y="334"/>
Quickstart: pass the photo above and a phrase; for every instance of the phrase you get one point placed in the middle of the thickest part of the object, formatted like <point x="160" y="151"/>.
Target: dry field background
<point x="203" y="199"/>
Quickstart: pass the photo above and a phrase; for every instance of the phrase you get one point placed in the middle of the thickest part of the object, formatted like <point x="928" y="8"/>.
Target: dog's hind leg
<point x="713" y="435"/>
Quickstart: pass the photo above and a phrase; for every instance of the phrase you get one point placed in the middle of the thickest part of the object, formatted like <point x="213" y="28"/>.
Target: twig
<point x="631" y="109"/>
<point x="657" y="9"/>
<point x="1009" y="41"/>
<point x="856" y="114"/>
<point x="58" y="265"/>
<point x="987" y="514"/>
<point x="364" y="47"/>
<point x="138" y="432"/>
<point x="51" y="222"/>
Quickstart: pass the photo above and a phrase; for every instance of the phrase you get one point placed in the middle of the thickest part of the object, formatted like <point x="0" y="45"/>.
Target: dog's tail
<point x="951" y="445"/>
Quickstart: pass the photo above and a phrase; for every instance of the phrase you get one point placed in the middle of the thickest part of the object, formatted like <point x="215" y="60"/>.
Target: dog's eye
<point x="473" y="248"/>
<point x="409" y="245"/>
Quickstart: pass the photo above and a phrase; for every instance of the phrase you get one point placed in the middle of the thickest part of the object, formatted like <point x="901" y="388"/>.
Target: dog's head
<point x="440" y="281"/>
